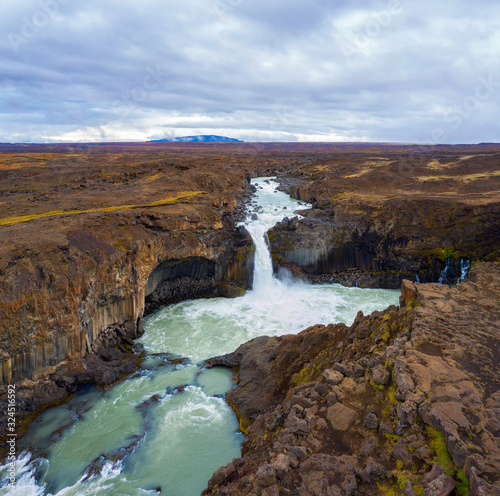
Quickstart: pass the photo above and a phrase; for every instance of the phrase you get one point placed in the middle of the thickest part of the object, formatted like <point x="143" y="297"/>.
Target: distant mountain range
<point x="203" y="138"/>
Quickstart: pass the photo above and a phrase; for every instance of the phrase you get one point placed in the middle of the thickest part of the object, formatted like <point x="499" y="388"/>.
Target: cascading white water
<point x="271" y="211"/>
<point x="464" y="269"/>
<point x="106" y="443"/>
<point x="447" y="269"/>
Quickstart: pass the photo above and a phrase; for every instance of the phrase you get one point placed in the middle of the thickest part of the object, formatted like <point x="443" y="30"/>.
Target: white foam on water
<point x="200" y="329"/>
<point x="25" y="482"/>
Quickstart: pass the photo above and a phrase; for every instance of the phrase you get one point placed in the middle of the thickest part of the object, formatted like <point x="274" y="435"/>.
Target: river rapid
<point x="168" y="426"/>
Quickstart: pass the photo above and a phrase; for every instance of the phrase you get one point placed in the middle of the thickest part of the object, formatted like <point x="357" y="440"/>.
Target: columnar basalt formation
<point x="403" y="402"/>
<point x="76" y="282"/>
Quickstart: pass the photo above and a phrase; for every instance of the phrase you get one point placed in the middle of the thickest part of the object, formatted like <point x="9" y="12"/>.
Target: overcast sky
<point x="258" y="70"/>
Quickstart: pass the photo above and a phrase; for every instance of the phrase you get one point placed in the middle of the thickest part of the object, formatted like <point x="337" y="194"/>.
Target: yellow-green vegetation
<point x="396" y="484"/>
<point x="419" y="490"/>
<point x="312" y="370"/>
<point x="448" y="253"/>
<point x="391" y="400"/>
<point x="389" y="489"/>
<point x="153" y="177"/>
<point x="184" y="195"/>
<point x="18" y="161"/>
<point x="307" y="374"/>
<point x="442" y="456"/>
<point x="436" y="164"/>
<point x="369" y="166"/>
<point x="402" y="481"/>
<point x="393" y="438"/>
<point x="243" y="421"/>
<point x="463" y="178"/>
<point x="380" y="387"/>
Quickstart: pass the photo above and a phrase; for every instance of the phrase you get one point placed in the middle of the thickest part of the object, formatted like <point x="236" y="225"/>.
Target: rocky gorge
<point x="95" y="237"/>
<point x="75" y="285"/>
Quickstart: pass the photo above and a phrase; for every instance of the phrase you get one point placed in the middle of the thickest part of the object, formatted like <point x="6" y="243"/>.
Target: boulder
<point x="221" y="475"/>
<point x="381" y="375"/>
<point x="371" y="421"/>
<point x="331" y="399"/>
<point x="437" y="483"/>
<point x="333" y="377"/>
<point x="266" y="475"/>
<point x="340" y="416"/>
<point x="407" y="413"/>
<point x="281" y="466"/>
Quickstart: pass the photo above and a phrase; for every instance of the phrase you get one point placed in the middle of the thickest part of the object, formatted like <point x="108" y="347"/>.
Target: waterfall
<point x="447" y="270"/>
<point x="259" y="220"/>
<point x="464" y="269"/>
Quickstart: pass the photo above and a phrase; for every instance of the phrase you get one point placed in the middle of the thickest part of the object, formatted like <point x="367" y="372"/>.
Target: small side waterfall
<point x="464" y="269"/>
<point x="446" y="271"/>
<point x="449" y="270"/>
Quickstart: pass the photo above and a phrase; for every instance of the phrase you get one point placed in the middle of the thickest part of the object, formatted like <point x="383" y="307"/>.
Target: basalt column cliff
<point x="90" y="241"/>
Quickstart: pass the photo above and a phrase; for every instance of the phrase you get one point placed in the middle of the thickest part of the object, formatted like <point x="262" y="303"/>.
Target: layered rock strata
<point x="403" y="402"/>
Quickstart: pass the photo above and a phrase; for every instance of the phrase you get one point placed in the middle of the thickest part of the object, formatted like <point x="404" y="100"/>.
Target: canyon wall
<point x="75" y="284"/>
<point x="379" y="246"/>
<point x="62" y="316"/>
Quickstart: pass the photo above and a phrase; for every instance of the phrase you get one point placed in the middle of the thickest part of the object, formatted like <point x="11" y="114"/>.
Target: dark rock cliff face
<point x="112" y="293"/>
<point x="403" y="402"/>
<point x="197" y="277"/>
<point x="379" y="248"/>
<point x="92" y="318"/>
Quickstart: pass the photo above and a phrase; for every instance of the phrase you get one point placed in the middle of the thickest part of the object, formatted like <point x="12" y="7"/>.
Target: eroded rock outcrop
<point x="404" y="401"/>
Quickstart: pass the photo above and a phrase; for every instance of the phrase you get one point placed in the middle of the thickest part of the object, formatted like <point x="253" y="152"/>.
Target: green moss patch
<point x="442" y="456"/>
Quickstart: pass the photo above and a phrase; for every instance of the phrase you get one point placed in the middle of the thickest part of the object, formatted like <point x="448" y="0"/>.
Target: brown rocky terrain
<point x="92" y="237"/>
<point x="403" y="402"/>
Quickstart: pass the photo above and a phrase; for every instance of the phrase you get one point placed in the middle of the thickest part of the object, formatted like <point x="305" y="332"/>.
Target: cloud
<point x="394" y="70"/>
